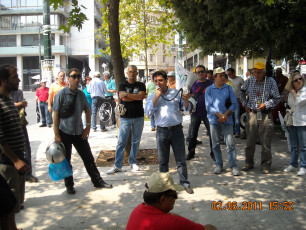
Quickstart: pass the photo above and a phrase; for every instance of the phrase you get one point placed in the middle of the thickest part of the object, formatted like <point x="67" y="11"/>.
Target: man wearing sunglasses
<point x="69" y="129"/>
<point x="159" y="199"/>
<point x="198" y="88"/>
<point x="259" y="94"/>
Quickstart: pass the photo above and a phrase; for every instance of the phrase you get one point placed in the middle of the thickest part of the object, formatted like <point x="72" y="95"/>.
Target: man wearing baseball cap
<point x="159" y="199"/>
<point x="42" y="95"/>
<point x="259" y="94"/>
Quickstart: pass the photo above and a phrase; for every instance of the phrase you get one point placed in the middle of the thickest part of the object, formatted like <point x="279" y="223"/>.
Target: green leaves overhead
<point x="243" y="27"/>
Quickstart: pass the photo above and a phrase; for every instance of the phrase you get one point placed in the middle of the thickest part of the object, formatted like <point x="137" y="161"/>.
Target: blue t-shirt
<point x="88" y="97"/>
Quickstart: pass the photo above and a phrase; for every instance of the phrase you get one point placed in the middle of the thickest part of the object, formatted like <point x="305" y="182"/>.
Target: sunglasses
<point x="299" y="79"/>
<point x="75" y="75"/>
<point x="201" y="71"/>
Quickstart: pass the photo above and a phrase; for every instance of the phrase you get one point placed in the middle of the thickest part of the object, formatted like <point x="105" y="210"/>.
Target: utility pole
<point x="39" y="51"/>
<point x="47" y="31"/>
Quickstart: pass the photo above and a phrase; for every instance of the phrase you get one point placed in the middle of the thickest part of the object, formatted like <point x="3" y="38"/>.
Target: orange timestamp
<point x="251" y="205"/>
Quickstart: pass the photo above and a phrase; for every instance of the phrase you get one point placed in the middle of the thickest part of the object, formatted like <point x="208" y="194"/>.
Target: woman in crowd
<point x="297" y="132"/>
<point x="88" y="97"/>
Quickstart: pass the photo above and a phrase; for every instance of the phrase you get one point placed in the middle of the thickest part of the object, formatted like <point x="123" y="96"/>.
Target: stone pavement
<point x="48" y="206"/>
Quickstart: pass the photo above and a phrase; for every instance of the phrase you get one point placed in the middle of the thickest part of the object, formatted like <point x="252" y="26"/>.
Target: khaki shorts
<point x="16" y="183"/>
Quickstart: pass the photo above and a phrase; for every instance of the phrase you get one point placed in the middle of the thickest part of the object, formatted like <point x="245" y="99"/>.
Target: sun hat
<point x="161" y="182"/>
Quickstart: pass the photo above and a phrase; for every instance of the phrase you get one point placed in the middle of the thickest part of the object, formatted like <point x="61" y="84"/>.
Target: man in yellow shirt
<point x="55" y="88"/>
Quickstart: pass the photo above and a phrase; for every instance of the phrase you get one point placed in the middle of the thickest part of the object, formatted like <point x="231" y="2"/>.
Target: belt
<point x="170" y="127"/>
<point x="43" y="101"/>
<point x="266" y="111"/>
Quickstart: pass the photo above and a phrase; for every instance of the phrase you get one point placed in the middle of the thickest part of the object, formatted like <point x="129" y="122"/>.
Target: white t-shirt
<point x="238" y="82"/>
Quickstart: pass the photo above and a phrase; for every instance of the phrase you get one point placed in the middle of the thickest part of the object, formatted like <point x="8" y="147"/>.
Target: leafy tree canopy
<point x="243" y="27"/>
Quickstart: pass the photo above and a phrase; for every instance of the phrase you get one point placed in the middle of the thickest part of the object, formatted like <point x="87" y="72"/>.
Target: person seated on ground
<point x="159" y="199"/>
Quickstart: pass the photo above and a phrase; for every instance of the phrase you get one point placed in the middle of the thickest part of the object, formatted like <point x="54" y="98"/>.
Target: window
<point x="164" y="58"/>
<point x="32" y="40"/>
<point x="8" y="41"/>
<point x="151" y="57"/>
<point x="141" y="57"/>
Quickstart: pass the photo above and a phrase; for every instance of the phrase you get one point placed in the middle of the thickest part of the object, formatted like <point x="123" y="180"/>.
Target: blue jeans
<point x="175" y="137"/>
<point x="297" y="136"/>
<point x="45" y="114"/>
<point x="125" y="126"/>
<point x="229" y="140"/>
<point x="194" y="129"/>
<point x="94" y="114"/>
<point x="236" y="119"/>
<point x="152" y="121"/>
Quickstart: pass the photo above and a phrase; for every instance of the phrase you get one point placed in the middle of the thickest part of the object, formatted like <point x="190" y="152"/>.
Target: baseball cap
<point x="171" y="73"/>
<point x="218" y="70"/>
<point x="96" y="73"/>
<point x="43" y="80"/>
<point x="161" y="182"/>
<point x="259" y="65"/>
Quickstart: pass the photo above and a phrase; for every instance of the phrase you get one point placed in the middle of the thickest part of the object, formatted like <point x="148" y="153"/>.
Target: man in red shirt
<point x="42" y="95"/>
<point x="159" y="198"/>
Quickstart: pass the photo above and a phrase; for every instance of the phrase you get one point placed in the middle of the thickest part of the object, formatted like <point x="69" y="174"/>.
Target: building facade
<point x="21" y="38"/>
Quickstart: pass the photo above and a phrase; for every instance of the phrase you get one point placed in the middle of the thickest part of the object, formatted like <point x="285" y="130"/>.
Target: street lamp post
<point x="39" y="47"/>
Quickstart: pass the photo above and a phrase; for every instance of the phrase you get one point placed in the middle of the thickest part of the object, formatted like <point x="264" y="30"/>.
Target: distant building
<point x="20" y="26"/>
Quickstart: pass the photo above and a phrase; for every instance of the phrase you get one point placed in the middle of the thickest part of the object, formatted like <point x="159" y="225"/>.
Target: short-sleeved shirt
<point x="150" y="86"/>
<point x="196" y="87"/>
<point x="110" y="85"/>
<point x="16" y="95"/>
<point x="134" y="109"/>
<point x="10" y="129"/>
<point x="42" y="94"/>
<point x="72" y="125"/>
<point x="54" y="89"/>
<point x="148" y="217"/>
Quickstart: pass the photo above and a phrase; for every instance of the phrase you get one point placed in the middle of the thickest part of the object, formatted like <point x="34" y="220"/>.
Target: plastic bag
<point x="60" y="171"/>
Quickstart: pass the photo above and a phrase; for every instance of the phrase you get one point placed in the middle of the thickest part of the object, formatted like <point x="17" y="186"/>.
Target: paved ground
<point x="48" y="206"/>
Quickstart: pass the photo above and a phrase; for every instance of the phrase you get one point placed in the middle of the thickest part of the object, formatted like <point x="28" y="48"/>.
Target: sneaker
<point x="113" y="127"/>
<point x="265" y="170"/>
<point x="188" y="189"/>
<point x="302" y="172"/>
<point x="114" y="170"/>
<point x="43" y="125"/>
<point x="218" y="169"/>
<point x="70" y="190"/>
<point x="135" y="167"/>
<point x="50" y="126"/>
<point x="235" y="171"/>
<point x="290" y="168"/>
<point x="199" y="142"/>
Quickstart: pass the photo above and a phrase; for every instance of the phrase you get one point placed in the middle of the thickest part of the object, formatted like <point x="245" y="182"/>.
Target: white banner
<point x="183" y="78"/>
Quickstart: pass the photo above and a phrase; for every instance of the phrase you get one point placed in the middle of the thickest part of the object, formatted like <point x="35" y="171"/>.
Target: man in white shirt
<point x="97" y="90"/>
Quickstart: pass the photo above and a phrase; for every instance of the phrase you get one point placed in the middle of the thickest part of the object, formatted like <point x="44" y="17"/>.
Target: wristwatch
<point x="125" y="95"/>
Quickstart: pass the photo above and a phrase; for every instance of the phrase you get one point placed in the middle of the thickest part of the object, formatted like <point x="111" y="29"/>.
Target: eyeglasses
<point x="75" y="75"/>
<point x="201" y="71"/>
<point x="299" y="79"/>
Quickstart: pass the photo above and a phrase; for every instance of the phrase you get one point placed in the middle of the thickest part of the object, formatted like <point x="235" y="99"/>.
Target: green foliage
<point x="76" y="16"/>
<point x="136" y="30"/>
<point x="243" y="27"/>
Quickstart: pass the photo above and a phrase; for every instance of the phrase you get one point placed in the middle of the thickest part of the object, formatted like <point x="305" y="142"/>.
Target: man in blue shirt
<point x="111" y="89"/>
<point x="166" y="105"/>
<point x="97" y="90"/>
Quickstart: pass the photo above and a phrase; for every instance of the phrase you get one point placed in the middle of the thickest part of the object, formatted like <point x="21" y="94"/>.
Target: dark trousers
<point x="27" y="152"/>
<point x="194" y="129"/>
<point x="173" y="136"/>
<point x="83" y="149"/>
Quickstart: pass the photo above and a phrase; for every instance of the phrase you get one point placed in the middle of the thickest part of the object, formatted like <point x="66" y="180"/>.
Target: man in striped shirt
<point x="12" y="141"/>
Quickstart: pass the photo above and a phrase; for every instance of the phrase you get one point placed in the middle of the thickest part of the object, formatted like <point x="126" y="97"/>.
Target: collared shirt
<point x="299" y="107"/>
<point x="255" y="93"/>
<point x="110" y="85"/>
<point x="150" y="86"/>
<point x="42" y="94"/>
<point x="96" y="88"/>
<point x="54" y="89"/>
<point x="166" y="113"/>
<point x="215" y="102"/>
<point x="72" y="125"/>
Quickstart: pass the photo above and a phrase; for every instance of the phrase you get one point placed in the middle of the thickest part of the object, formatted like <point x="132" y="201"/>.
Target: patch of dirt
<point x="106" y="158"/>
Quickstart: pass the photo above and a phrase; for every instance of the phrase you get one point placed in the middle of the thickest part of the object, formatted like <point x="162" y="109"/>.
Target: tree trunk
<point x="114" y="36"/>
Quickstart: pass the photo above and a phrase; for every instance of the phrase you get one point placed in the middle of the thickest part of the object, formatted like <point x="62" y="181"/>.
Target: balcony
<point x="31" y="50"/>
<point x="27" y="11"/>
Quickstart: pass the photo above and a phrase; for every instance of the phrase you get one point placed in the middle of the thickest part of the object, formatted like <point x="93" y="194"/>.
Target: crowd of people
<point x="219" y="96"/>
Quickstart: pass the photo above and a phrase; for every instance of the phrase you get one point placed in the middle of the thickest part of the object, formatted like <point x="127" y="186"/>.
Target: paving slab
<point x="48" y="206"/>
